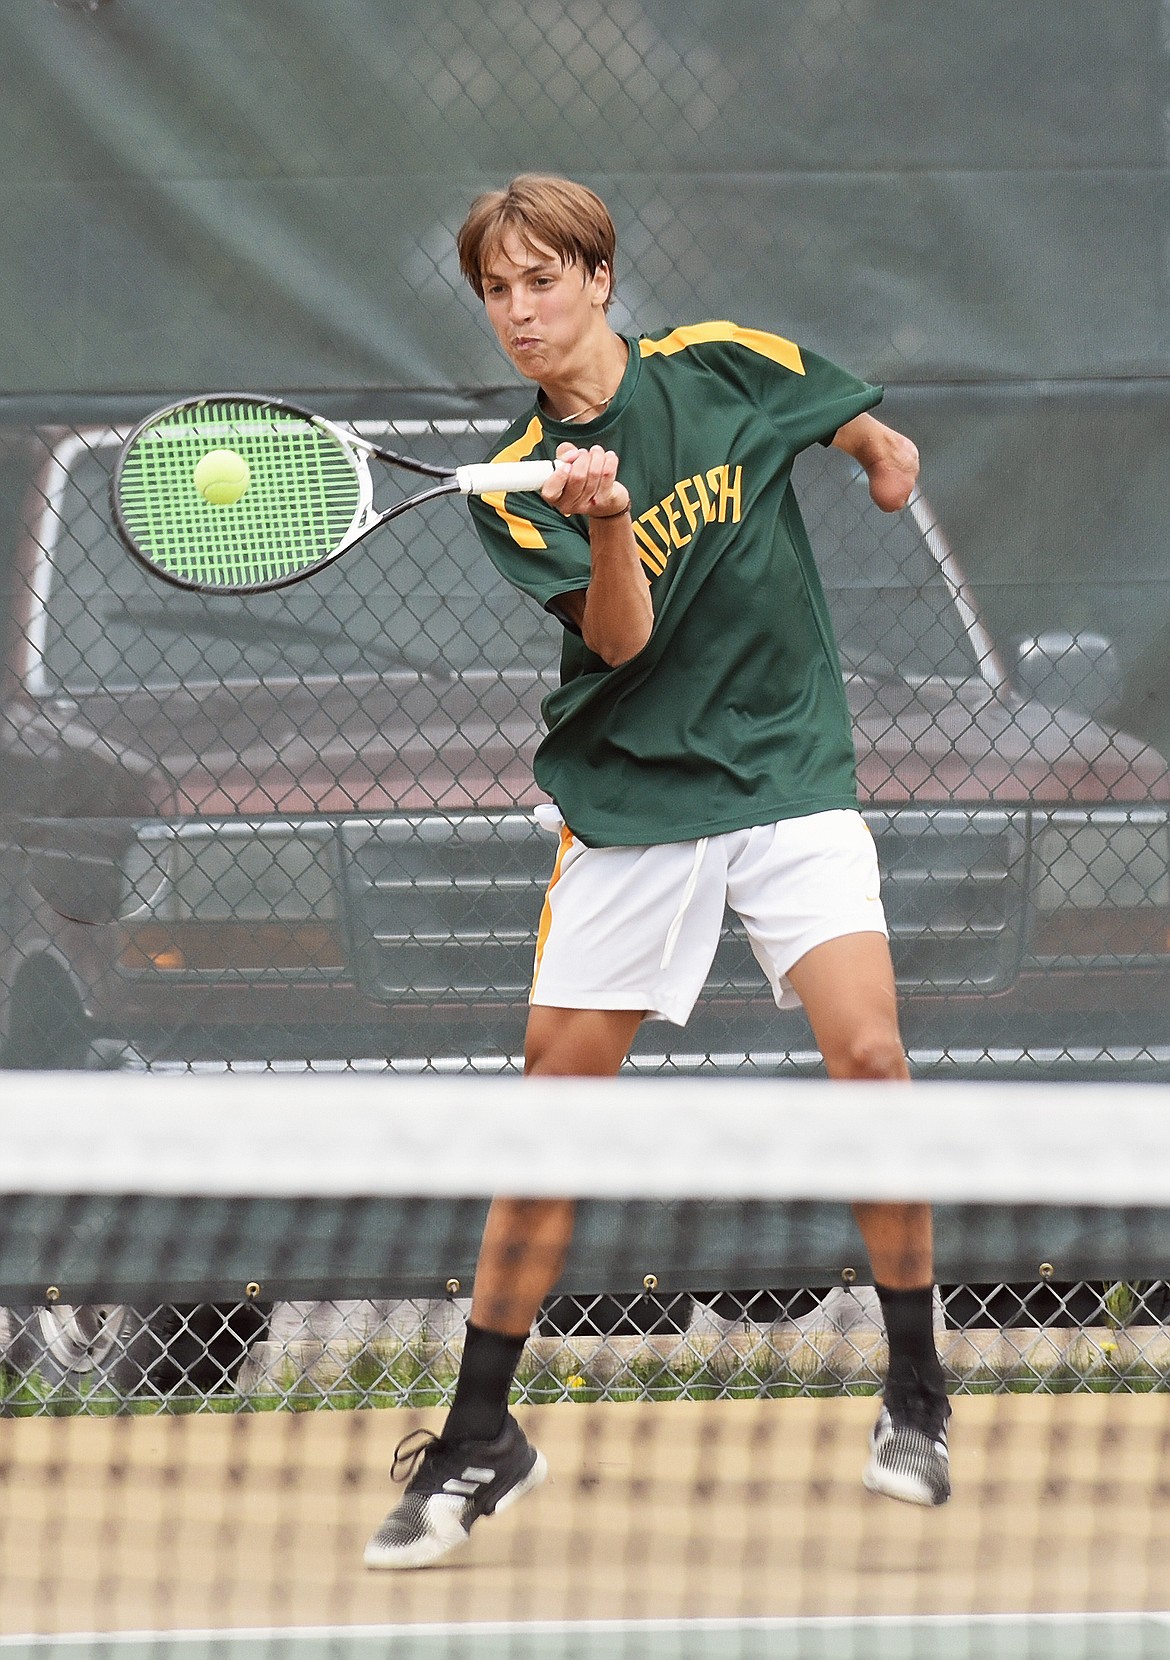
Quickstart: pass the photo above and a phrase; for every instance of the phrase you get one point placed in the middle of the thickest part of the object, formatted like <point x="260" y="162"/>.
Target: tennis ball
<point x="221" y="477"/>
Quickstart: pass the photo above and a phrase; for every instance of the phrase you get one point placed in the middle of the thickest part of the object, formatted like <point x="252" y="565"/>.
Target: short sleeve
<point x="807" y="398"/>
<point x="533" y="547"/>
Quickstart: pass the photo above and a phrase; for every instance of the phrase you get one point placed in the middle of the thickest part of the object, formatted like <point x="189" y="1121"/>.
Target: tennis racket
<point x="233" y="494"/>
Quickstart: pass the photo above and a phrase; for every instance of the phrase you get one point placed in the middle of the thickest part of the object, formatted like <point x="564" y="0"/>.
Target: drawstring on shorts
<point x="688" y="894"/>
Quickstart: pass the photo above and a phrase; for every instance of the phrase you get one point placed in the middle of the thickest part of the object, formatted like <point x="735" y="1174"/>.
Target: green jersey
<point x="734" y="713"/>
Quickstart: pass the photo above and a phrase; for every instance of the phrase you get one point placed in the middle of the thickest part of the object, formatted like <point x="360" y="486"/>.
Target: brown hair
<point x="554" y="213"/>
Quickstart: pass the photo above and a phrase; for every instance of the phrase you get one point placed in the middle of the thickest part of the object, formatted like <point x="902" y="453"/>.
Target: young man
<point x="700" y="753"/>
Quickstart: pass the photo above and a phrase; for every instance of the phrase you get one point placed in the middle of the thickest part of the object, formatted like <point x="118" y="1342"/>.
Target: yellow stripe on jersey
<point x="523" y="531"/>
<point x="773" y="346"/>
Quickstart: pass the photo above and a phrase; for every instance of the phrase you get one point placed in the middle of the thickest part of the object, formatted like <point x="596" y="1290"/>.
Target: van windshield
<point x="422" y="595"/>
<point x="893" y="611"/>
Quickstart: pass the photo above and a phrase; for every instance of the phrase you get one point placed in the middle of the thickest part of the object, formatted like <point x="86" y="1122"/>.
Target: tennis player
<point x="699" y="753"/>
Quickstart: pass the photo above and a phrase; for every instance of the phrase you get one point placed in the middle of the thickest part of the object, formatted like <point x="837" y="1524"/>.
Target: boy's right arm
<point x="614" y="613"/>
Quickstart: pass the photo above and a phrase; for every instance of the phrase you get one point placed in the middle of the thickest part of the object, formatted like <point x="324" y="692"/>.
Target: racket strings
<point x="304" y="494"/>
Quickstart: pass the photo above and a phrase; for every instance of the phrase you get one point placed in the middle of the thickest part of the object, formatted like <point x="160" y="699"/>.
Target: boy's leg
<point x="847" y="988"/>
<point x="525" y="1240"/>
<point x="482" y="1460"/>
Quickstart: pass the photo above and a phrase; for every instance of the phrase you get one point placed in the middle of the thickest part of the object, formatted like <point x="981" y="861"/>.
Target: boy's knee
<point x="875" y="1053"/>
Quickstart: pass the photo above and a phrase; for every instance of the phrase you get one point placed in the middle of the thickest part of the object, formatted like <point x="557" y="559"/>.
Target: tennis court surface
<point x="711" y="1524"/>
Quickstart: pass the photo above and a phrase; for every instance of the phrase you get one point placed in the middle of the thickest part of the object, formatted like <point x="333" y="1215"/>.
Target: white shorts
<point x="637" y="927"/>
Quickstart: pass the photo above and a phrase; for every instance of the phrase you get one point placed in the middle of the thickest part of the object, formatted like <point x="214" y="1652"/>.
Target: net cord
<point x="274" y="1135"/>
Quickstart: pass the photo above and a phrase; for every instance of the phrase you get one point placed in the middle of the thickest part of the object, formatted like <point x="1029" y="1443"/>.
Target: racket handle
<point x="487" y="477"/>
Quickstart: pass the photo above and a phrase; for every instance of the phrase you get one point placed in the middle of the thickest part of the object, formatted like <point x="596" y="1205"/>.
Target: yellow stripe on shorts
<point x="542" y="931"/>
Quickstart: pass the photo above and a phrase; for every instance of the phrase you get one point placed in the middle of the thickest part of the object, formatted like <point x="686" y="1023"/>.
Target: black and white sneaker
<point x="908" y="1449"/>
<point x="450" y="1485"/>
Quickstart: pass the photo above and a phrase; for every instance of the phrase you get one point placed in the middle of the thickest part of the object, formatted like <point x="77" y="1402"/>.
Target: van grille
<point x="954" y="886"/>
<point x="445" y="908"/>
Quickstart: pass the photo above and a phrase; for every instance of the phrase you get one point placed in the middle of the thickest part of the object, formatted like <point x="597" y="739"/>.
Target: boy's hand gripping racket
<point x="231" y="494"/>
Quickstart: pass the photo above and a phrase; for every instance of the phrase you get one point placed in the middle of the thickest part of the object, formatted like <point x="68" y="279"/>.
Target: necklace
<point x="590" y="409"/>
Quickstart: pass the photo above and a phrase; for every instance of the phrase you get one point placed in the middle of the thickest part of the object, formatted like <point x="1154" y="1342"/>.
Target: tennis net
<point x="226" y="1300"/>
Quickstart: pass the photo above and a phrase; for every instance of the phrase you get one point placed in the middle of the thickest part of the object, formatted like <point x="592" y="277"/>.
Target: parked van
<point x="299" y="826"/>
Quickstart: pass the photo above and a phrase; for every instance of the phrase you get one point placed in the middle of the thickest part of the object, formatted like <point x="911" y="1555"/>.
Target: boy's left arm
<point x="889" y="459"/>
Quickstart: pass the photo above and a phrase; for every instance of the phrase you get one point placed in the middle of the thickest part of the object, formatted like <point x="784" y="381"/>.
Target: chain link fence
<point x="266" y="195"/>
<point x="1048" y="1338"/>
<point x="298" y="831"/>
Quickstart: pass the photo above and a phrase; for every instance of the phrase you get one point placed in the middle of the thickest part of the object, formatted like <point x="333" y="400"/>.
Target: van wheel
<point x="180" y="1348"/>
<point x="47" y="1027"/>
<point x="84" y="1346"/>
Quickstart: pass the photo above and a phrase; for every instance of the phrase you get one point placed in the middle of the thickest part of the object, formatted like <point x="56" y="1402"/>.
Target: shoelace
<point x="407" y="1457"/>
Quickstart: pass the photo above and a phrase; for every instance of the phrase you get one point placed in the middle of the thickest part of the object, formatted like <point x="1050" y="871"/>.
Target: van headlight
<point x="217" y="896"/>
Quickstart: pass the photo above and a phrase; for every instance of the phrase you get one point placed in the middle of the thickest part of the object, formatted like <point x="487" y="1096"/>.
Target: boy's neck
<point x="589" y="385"/>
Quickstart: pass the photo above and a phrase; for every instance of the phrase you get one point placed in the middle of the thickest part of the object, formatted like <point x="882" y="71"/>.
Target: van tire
<point x="177" y="1349"/>
<point x="47" y="1026"/>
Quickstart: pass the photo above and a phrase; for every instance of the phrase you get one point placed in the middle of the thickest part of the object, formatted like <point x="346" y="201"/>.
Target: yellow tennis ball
<point x="222" y="477"/>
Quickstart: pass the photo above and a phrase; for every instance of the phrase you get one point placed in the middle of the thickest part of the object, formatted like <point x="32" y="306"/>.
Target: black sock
<point x="480" y="1406"/>
<point x="909" y="1321"/>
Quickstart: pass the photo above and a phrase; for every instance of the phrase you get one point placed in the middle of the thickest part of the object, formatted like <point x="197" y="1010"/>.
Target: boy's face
<point x="542" y="311"/>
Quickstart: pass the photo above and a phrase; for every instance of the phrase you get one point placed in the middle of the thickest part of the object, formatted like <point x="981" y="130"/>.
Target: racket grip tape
<point x="489" y="477"/>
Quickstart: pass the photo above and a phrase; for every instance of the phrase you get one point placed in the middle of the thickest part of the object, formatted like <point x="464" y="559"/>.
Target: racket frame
<point x="356" y="449"/>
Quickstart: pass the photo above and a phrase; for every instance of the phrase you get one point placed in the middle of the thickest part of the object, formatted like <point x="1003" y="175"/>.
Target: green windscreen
<point x="303" y="491"/>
